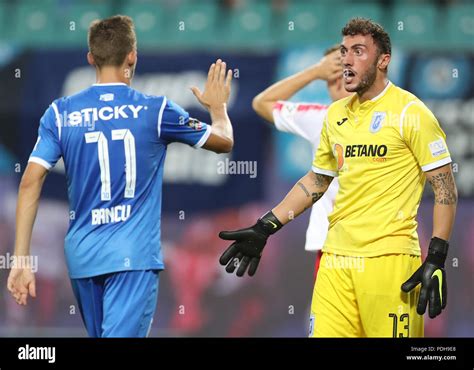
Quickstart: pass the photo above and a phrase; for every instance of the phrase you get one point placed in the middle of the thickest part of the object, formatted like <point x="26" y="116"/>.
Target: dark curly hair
<point x="363" y="26"/>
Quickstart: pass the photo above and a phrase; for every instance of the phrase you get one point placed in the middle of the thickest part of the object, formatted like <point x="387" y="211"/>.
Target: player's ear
<point x="132" y="58"/>
<point x="90" y="59"/>
<point x="384" y="60"/>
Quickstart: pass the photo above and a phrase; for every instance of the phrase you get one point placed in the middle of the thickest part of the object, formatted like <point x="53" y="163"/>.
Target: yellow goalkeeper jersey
<point x="378" y="150"/>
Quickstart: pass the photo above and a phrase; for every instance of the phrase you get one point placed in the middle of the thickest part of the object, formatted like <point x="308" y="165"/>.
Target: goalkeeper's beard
<point x="366" y="81"/>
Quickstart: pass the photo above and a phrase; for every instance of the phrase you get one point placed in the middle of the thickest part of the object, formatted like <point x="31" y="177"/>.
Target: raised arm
<point x="214" y="99"/>
<point x="328" y="69"/>
<point x="248" y="245"/>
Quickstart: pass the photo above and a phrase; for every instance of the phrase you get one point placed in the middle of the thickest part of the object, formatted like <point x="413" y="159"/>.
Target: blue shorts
<point x="120" y="304"/>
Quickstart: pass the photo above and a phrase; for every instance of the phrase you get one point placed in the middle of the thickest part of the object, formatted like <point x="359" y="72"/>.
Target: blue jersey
<point x="113" y="142"/>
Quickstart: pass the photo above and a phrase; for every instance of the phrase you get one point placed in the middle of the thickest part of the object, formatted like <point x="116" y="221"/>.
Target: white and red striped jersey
<point x="306" y="121"/>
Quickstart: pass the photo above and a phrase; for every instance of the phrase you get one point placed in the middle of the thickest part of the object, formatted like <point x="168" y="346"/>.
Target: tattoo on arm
<point x="444" y="188"/>
<point x="315" y="196"/>
<point x="304" y="188"/>
<point x="321" y="180"/>
<point x="320" y="185"/>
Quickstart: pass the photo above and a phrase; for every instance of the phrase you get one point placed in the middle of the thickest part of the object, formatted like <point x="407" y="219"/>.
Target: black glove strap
<point x="437" y="251"/>
<point x="269" y="224"/>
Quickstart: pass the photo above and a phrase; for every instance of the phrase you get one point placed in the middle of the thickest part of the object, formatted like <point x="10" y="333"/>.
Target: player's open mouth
<point x="348" y="75"/>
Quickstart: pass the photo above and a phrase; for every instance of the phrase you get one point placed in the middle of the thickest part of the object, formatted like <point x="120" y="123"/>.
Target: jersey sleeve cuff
<point x="41" y="162"/>
<point x="432" y="166"/>
<point x="204" y="137"/>
<point x="322" y="171"/>
<point x="277" y="121"/>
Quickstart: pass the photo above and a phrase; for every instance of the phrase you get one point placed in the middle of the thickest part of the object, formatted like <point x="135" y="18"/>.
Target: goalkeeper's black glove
<point x="432" y="276"/>
<point x="247" y="249"/>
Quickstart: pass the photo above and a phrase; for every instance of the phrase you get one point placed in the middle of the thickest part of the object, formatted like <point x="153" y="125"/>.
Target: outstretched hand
<point x="217" y="89"/>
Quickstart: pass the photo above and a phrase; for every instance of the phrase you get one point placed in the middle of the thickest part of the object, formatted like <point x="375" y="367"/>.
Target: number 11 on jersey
<point x="104" y="161"/>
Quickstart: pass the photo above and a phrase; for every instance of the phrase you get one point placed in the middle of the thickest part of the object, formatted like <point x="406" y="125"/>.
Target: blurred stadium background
<point x="42" y="56"/>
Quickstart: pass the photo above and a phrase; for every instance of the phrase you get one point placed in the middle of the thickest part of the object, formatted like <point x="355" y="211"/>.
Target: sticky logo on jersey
<point x="377" y="120"/>
<point x="339" y="153"/>
<point x="437" y="147"/>
<point x="104" y="114"/>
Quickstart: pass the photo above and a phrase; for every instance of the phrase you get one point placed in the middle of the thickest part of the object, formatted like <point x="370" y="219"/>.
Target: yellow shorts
<point x="361" y="297"/>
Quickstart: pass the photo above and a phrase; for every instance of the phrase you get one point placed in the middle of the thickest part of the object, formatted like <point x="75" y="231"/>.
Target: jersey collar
<point x="365" y="105"/>
<point x="383" y="92"/>
<point x="111" y="84"/>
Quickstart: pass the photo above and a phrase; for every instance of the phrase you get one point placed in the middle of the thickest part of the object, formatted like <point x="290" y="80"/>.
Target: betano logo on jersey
<point x="364" y="150"/>
<point x="378" y="152"/>
<point x="104" y="114"/>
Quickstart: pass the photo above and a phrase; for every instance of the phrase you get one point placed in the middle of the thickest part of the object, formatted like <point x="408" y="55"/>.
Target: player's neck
<point x="374" y="90"/>
<point x="108" y="75"/>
